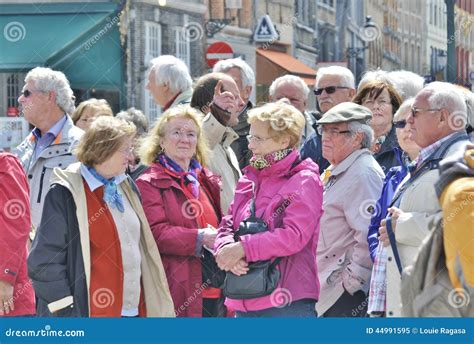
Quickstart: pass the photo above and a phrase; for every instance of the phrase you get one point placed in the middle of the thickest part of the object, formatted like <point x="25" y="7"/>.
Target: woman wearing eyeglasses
<point x="287" y="194"/>
<point x="409" y="151"/>
<point x="94" y="254"/>
<point x="182" y="203"/>
<point x="383" y="100"/>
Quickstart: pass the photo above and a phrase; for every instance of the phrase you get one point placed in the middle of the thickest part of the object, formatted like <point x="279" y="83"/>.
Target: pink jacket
<point x="289" y="198"/>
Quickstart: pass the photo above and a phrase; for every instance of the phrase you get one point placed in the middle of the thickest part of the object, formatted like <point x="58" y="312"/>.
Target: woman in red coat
<point x="182" y="204"/>
<point x="17" y="297"/>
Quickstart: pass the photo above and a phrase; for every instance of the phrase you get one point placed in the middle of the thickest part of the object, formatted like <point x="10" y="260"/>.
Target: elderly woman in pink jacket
<point x="284" y="193"/>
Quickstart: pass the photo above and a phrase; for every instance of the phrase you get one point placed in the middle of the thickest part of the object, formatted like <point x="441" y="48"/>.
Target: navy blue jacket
<point x="393" y="178"/>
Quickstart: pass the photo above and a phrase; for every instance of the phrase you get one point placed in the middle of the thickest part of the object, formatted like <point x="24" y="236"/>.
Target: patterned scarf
<point x="188" y="179"/>
<point x="111" y="194"/>
<point x="262" y="161"/>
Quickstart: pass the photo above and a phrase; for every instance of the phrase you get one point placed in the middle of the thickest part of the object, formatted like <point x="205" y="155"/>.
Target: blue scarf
<point x="188" y="178"/>
<point x="111" y="194"/>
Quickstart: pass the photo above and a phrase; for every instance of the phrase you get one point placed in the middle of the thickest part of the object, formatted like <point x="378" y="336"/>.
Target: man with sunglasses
<point x="46" y="102"/>
<point x="437" y="123"/>
<point x="334" y="85"/>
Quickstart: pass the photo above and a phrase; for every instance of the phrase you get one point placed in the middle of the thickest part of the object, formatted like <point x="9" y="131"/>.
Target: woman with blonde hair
<point x="94" y="254"/>
<point x="281" y="196"/>
<point x="182" y="203"/>
<point x="88" y="110"/>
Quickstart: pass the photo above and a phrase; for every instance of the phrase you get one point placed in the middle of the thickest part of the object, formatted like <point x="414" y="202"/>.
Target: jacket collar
<point x="285" y="167"/>
<point x="220" y="134"/>
<point x="163" y="180"/>
<point x="347" y="162"/>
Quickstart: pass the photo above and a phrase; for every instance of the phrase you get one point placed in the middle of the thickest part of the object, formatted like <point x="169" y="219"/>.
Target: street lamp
<point x="368" y="33"/>
<point x="442" y="59"/>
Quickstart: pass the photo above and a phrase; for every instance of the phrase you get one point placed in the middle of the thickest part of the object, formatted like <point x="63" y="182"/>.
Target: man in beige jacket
<point x="217" y="95"/>
<point x="352" y="184"/>
<point x="437" y="123"/>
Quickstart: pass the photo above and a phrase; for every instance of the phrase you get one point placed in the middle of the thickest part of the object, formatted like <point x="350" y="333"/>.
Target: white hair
<point x="347" y="78"/>
<point x="374" y="75"/>
<point x="289" y="79"/>
<point x="46" y="79"/>
<point x="446" y="96"/>
<point x="246" y="73"/>
<point x="407" y="83"/>
<point x="368" y="133"/>
<point x="171" y="71"/>
<point x="406" y="106"/>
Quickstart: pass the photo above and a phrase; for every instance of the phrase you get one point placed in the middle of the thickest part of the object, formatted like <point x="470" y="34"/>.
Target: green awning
<point x="80" y="39"/>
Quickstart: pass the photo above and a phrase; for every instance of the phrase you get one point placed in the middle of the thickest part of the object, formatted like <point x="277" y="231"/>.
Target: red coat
<point x="175" y="231"/>
<point x="15" y="225"/>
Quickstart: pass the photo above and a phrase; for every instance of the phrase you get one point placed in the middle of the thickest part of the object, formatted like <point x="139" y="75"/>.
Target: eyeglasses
<point x="329" y="90"/>
<point x="27" y="93"/>
<point x="331" y="131"/>
<point x="126" y="151"/>
<point x="258" y="139"/>
<point x="400" y="124"/>
<point x="414" y="110"/>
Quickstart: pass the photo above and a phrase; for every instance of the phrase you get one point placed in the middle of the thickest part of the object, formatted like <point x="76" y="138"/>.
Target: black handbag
<point x="211" y="273"/>
<point x="262" y="277"/>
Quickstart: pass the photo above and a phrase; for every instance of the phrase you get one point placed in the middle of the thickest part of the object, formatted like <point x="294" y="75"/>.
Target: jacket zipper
<point x="41" y="185"/>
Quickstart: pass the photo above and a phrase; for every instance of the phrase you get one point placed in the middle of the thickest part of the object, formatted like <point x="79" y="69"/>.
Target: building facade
<point x="464" y="24"/>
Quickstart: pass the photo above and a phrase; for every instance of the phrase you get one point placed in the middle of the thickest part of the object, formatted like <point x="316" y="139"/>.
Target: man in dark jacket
<point x="334" y="85"/>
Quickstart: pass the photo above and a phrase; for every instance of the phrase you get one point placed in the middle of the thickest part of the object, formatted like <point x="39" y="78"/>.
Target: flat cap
<point x="346" y="112"/>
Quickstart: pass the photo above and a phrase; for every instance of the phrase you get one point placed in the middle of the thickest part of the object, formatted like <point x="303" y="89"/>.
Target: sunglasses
<point x="329" y="90"/>
<point x="27" y="93"/>
<point x="400" y="124"/>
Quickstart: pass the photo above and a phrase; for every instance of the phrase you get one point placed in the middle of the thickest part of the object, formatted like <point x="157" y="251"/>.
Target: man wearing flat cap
<point x="352" y="185"/>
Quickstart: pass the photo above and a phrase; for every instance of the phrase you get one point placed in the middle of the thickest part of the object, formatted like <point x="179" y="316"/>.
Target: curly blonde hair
<point x="150" y="147"/>
<point x="101" y="107"/>
<point x="284" y="119"/>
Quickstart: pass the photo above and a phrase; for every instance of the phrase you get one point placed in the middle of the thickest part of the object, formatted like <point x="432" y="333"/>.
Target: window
<point x="182" y="46"/>
<point x="13" y="90"/>
<point x="152" y="50"/>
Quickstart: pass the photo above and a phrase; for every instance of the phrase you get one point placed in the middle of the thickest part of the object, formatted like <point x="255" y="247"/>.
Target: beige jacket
<point x="343" y="254"/>
<point x="155" y="285"/>
<point x="222" y="160"/>
<point x="421" y="208"/>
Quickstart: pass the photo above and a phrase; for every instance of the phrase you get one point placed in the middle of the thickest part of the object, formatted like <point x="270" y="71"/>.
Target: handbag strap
<point x="393" y="242"/>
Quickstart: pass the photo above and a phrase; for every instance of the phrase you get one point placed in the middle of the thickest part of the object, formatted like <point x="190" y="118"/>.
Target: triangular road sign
<point x="265" y="31"/>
